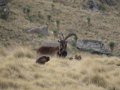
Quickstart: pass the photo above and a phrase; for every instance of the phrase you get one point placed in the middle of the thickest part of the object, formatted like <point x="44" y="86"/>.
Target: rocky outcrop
<point x="43" y="30"/>
<point x="3" y="2"/>
<point x="99" y="4"/>
<point x="92" y="46"/>
<point x="109" y="2"/>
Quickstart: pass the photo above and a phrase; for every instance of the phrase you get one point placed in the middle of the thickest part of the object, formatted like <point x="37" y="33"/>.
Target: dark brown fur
<point x="42" y="59"/>
<point x="47" y="50"/>
<point x="78" y="57"/>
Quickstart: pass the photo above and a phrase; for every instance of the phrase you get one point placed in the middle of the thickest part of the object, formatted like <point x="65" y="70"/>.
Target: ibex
<point x="60" y="49"/>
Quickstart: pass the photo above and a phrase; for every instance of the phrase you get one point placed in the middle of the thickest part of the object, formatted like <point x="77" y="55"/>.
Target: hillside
<point x="89" y="19"/>
<point x="73" y="16"/>
<point x="18" y="71"/>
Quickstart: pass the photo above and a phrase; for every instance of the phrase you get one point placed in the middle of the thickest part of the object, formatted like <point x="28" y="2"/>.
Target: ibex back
<point x="47" y="50"/>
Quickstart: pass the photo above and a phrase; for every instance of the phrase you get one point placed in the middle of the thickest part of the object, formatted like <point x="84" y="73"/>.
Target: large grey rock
<point x="109" y="2"/>
<point x="39" y="30"/>
<point x="3" y="2"/>
<point x="91" y="4"/>
<point x="92" y="46"/>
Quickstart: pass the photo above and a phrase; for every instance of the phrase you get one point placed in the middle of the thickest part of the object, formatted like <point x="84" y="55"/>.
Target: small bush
<point x="102" y="7"/>
<point x="112" y="45"/>
<point x="4" y="12"/>
<point x="58" y="24"/>
<point x="49" y="18"/>
<point x="88" y="20"/>
<point x="55" y="32"/>
<point x="27" y="10"/>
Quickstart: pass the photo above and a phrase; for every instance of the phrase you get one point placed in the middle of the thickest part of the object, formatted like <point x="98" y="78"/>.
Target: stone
<point x="3" y="2"/>
<point x="39" y="30"/>
<point x="92" y="46"/>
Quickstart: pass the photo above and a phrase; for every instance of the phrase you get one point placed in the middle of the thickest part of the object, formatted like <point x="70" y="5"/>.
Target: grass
<point x="20" y="72"/>
<point x="25" y="15"/>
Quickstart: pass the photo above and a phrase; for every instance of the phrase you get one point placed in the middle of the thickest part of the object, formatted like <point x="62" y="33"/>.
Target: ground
<point x="73" y="17"/>
<point x="18" y="67"/>
<point x="19" y="71"/>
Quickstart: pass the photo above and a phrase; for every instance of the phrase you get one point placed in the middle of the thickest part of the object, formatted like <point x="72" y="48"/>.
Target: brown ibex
<point x="60" y="49"/>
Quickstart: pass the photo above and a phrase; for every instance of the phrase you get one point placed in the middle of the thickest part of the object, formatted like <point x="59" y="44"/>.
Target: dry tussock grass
<point x="18" y="71"/>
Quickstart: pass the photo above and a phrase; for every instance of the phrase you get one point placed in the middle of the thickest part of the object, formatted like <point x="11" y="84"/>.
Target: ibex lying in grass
<point x="60" y="49"/>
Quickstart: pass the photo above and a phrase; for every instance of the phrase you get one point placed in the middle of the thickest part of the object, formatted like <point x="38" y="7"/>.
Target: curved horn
<point x="71" y="34"/>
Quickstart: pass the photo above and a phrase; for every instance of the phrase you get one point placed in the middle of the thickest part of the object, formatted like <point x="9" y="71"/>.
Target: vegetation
<point x="19" y="71"/>
<point x="88" y="21"/>
<point x="4" y="12"/>
<point x="112" y="46"/>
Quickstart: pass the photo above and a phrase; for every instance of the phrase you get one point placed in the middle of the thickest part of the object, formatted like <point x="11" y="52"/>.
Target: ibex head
<point x="63" y="44"/>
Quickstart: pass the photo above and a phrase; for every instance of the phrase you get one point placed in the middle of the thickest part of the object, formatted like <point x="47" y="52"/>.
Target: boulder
<point x="39" y="30"/>
<point x="92" y="46"/>
<point x="3" y="2"/>
<point x="109" y="2"/>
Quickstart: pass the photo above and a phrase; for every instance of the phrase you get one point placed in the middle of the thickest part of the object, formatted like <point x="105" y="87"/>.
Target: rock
<point x="98" y="5"/>
<point x="93" y="5"/>
<point x="92" y="46"/>
<point x="43" y="59"/>
<point x="108" y="2"/>
<point x="3" y="2"/>
<point x="39" y="30"/>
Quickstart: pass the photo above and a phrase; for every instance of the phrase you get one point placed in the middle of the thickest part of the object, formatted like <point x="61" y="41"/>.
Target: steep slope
<point x="73" y="16"/>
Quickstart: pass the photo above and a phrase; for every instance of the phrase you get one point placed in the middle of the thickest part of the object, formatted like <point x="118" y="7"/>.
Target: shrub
<point x="55" y="32"/>
<point x="58" y="24"/>
<point x="49" y="17"/>
<point x="88" y="20"/>
<point x="102" y="8"/>
<point x="112" y="45"/>
<point x="4" y="12"/>
<point x="27" y="10"/>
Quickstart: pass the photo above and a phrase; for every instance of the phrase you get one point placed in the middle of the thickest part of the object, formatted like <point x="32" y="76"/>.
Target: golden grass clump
<point x="23" y="52"/>
<point x="20" y="72"/>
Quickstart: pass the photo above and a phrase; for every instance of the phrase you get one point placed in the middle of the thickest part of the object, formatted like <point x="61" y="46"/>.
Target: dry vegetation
<point x="104" y="25"/>
<point x="18" y="71"/>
